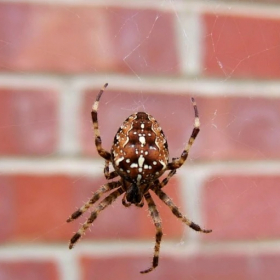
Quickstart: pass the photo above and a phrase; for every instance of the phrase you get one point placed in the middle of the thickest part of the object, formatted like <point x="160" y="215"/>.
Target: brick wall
<point x="55" y="56"/>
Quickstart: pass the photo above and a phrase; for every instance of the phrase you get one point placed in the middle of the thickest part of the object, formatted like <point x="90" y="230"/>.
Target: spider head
<point x="134" y="195"/>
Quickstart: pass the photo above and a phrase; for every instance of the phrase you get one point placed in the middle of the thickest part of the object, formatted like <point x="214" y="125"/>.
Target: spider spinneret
<point x="139" y="156"/>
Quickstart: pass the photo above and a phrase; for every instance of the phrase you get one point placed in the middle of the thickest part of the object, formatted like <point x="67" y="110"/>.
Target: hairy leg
<point x="96" y="195"/>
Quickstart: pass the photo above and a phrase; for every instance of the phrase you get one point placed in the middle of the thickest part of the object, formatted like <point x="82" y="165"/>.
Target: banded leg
<point x="98" y="143"/>
<point x="157" y="222"/>
<point x="109" y="175"/>
<point x="96" y="195"/>
<point x="165" y="181"/>
<point x="167" y="200"/>
<point x="101" y="206"/>
<point x="176" y="163"/>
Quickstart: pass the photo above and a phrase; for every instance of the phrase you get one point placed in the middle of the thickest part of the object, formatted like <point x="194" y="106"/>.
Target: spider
<point x="139" y="156"/>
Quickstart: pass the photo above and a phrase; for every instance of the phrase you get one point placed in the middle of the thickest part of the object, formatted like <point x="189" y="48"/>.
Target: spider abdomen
<point x="140" y="150"/>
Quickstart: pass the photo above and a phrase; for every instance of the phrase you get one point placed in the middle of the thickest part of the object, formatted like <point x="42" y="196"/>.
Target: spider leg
<point x="109" y="175"/>
<point x="157" y="222"/>
<point x="176" y="163"/>
<point x="96" y="195"/>
<point x="101" y="206"/>
<point x="98" y="143"/>
<point x="165" y="181"/>
<point x="167" y="200"/>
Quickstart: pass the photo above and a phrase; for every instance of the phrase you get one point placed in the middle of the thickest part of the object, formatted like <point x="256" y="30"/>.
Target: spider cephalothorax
<point x="139" y="156"/>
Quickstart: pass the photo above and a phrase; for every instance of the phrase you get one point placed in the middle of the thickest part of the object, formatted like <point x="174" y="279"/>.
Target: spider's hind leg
<point x="175" y="210"/>
<point x="157" y="222"/>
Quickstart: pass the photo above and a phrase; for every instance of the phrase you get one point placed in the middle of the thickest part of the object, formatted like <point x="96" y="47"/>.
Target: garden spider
<point x="139" y="156"/>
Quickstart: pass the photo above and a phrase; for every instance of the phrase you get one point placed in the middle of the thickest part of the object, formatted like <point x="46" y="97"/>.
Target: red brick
<point x="242" y="207"/>
<point x="231" y="127"/>
<point x="202" y="267"/>
<point x="28" y="121"/>
<point x="239" y="128"/>
<point x="8" y="208"/>
<point x="95" y="39"/>
<point x="36" y="207"/>
<point x="28" y="270"/>
<point x="241" y="46"/>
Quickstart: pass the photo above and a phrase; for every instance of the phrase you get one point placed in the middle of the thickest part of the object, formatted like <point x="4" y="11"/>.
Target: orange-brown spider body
<point x="139" y="156"/>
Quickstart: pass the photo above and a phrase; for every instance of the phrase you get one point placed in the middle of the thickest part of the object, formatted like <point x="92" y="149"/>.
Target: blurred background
<point x="155" y="55"/>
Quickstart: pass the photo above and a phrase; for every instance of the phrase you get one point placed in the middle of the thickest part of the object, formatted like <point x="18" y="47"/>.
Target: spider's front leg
<point x="102" y="152"/>
<point x="109" y="175"/>
<point x="178" y="162"/>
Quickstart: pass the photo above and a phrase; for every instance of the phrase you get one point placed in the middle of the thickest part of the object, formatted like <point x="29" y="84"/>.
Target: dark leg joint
<point x="155" y="262"/>
<point x="147" y="270"/>
<point x="176" y="212"/>
<point x="198" y="228"/>
<point x="92" y="217"/>
<point x="195" y="227"/>
<point x="184" y="154"/>
<point x="125" y="202"/>
<point x="74" y="239"/>
<point x="98" y="140"/>
<point x="94" y="116"/>
<point x="74" y="216"/>
<point x="101" y="91"/>
<point x="141" y="204"/>
<point x="165" y="181"/>
<point x="195" y="132"/>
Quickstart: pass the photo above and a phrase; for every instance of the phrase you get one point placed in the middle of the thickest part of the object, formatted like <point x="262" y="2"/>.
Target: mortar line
<point x="157" y="85"/>
<point x="69" y="116"/>
<point x="119" y="248"/>
<point x="69" y="165"/>
<point x="256" y="9"/>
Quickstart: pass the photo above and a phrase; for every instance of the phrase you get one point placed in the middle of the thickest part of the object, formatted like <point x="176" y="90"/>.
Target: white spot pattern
<point x="119" y="160"/>
<point x="142" y="140"/>
<point x="134" y="165"/>
<point x="141" y="160"/>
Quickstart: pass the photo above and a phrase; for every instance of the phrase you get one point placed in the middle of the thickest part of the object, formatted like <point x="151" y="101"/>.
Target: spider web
<point x="208" y="163"/>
